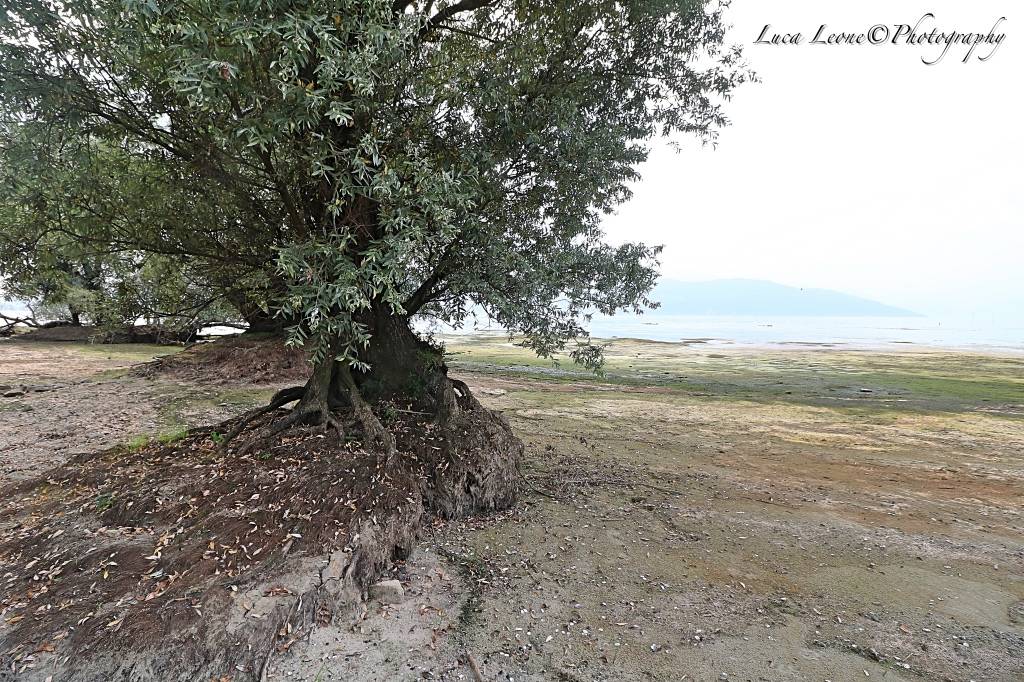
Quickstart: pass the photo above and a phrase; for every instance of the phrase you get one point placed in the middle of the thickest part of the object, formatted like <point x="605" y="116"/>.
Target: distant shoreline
<point x="726" y="345"/>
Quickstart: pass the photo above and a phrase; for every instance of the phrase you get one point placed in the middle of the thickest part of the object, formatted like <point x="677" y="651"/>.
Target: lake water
<point x="850" y="331"/>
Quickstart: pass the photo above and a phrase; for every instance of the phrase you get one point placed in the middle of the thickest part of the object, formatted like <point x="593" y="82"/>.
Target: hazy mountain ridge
<point x="761" y="297"/>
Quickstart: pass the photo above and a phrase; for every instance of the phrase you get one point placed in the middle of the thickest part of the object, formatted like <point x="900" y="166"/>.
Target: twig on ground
<point x="537" y="490"/>
<point x="670" y="491"/>
<point x="477" y="675"/>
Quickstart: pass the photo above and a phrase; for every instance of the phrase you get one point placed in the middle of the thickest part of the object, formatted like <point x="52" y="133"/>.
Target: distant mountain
<point x="760" y="297"/>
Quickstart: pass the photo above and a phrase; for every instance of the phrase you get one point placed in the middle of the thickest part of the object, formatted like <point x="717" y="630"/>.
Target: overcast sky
<point x="856" y="168"/>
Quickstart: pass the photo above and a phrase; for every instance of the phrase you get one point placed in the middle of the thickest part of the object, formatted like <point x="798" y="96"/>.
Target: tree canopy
<point x="324" y="158"/>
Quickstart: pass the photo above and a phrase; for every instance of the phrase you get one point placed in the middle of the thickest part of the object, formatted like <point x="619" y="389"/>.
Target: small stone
<point x="387" y="591"/>
<point x="15" y="393"/>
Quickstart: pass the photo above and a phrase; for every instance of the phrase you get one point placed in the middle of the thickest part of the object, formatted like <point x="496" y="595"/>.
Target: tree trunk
<point x="403" y="367"/>
<point x="262" y="323"/>
<point x="477" y="466"/>
<point x="318" y="386"/>
<point x="258" y="320"/>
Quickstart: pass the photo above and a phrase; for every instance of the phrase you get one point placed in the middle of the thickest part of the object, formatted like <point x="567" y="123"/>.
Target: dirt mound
<point x="236" y="359"/>
<point x="140" y="333"/>
<point x="180" y="562"/>
<point x="69" y="333"/>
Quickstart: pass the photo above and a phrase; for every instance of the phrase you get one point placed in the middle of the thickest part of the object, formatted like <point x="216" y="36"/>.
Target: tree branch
<point x="12" y="322"/>
<point x="425" y="292"/>
<point x="449" y="11"/>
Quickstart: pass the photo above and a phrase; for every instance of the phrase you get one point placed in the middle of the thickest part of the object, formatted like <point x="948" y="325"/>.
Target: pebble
<point x="387" y="591"/>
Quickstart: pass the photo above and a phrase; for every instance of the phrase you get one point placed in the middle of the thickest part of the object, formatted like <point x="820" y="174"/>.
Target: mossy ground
<point x="923" y="380"/>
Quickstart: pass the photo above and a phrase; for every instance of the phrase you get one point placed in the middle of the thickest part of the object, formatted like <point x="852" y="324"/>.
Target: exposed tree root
<point x="299" y="422"/>
<point x="374" y="432"/>
<point x="314" y="409"/>
<point x="281" y="398"/>
<point x="465" y="395"/>
<point x="293" y="418"/>
<point x="332" y="422"/>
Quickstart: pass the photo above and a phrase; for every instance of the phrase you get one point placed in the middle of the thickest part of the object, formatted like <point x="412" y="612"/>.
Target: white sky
<point x="856" y="168"/>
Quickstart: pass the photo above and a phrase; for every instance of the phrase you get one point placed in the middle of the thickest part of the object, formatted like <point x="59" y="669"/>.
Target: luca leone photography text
<point x="924" y="33"/>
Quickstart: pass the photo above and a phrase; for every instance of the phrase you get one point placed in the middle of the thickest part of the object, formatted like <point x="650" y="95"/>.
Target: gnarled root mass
<point x="204" y="558"/>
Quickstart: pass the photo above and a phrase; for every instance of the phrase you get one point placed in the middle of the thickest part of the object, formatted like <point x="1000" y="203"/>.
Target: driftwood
<point x="9" y="323"/>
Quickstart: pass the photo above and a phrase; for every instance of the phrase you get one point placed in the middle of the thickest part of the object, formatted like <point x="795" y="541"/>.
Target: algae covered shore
<point x="695" y="512"/>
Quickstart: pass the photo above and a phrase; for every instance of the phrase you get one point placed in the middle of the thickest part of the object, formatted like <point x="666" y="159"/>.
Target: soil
<point x="125" y="563"/>
<point x="141" y="333"/>
<point x="740" y="514"/>
<point x="240" y="359"/>
<point x="71" y="399"/>
<point x="63" y="333"/>
<point x="131" y="561"/>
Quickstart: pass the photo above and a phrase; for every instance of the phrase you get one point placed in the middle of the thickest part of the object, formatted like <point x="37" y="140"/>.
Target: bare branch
<point x="449" y="11"/>
<point x="12" y="322"/>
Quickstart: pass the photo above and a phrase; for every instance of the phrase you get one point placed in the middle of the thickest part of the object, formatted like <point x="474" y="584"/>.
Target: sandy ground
<point x="70" y="398"/>
<point x="697" y="513"/>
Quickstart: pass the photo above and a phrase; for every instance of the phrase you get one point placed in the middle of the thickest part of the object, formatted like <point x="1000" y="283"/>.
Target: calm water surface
<point x="854" y="331"/>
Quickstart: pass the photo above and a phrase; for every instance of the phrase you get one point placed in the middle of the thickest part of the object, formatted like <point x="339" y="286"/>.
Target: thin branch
<point x="452" y="10"/>
<point x="12" y="322"/>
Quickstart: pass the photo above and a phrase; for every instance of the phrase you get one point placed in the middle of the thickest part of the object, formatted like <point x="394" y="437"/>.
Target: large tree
<point x="348" y="165"/>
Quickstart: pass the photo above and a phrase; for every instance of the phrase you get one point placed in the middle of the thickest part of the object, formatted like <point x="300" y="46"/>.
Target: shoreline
<point x="723" y="344"/>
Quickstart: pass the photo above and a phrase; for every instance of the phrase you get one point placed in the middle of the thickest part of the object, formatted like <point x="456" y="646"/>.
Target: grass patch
<point x="172" y="436"/>
<point x="968" y="390"/>
<point x="182" y="404"/>
<point x="471" y="568"/>
<point x="104" y="501"/>
<point x="137" y="443"/>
